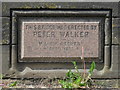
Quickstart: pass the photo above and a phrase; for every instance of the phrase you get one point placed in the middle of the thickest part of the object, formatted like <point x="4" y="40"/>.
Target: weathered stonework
<point x="5" y="30"/>
<point x="94" y="5"/>
<point x="11" y="67"/>
<point x="115" y="31"/>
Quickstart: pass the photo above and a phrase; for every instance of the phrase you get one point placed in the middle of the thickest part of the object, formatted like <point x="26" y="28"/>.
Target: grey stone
<point x="107" y="57"/>
<point x="0" y="60"/>
<point x="0" y="29"/>
<point x="119" y="50"/>
<point x="32" y="70"/>
<point x="115" y="31"/>
<point x="14" y="57"/>
<point x="5" y="58"/>
<point x="104" y="5"/>
<point x="108" y="31"/>
<point x="48" y="65"/>
<point x="5" y="30"/>
<point x="115" y="59"/>
<point x="14" y="31"/>
<point x="106" y="69"/>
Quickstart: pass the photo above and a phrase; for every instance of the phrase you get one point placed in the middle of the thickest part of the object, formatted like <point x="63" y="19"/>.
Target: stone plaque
<point x="59" y="39"/>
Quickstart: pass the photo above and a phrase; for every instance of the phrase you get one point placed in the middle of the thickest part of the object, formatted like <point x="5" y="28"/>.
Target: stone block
<point x="115" y="59"/>
<point x="5" y="58"/>
<point x="5" y="30"/>
<point x="115" y="31"/>
<point x="75" y="5"/>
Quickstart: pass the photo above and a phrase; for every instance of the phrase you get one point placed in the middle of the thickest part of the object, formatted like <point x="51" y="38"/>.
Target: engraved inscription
<point x="59" y="39"/>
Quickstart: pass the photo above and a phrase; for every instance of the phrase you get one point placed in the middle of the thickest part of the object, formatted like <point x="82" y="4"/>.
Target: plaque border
<point x="18" y="14"/>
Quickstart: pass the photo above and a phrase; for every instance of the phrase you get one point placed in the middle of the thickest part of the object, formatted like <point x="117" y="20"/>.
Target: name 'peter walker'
<point x="62" y="30"/>
<point x="61" y="33"/>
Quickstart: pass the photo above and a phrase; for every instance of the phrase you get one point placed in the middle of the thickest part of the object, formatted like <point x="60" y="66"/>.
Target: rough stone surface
<point x="115" y="31"/>
<point x="0" y="60"/>
<point x="103" y="70"/>
<point x="115" y="60"/>
<point x="5" y="58"/>
<point x="0" y="30"/>
<point x="36" y="72"/>
<point x="5" y="30"/>
<point x="107" y="5"/>
<point x="107" y="31"/>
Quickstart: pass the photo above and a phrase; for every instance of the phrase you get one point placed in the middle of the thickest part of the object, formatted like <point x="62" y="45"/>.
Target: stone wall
<point x="10" y="66"/>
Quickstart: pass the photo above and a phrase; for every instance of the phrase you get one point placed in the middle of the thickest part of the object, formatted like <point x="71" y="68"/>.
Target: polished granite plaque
<point x="59" y="39"/>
